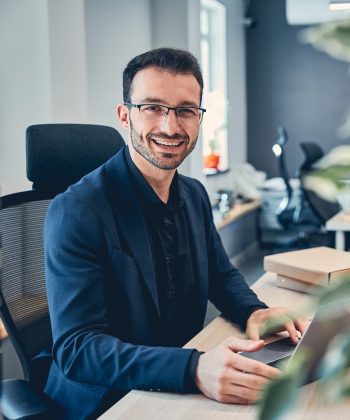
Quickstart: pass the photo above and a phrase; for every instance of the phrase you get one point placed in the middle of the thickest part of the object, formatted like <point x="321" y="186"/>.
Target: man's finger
<point x="237" y="344"/>
<point x="245" y="364"/>
<point x="290" y="327"/>
<point x="248" y="380"/>
<point x="301" y="325"/>
<point x="243" y="392"/>
<point x="253" y="331"/>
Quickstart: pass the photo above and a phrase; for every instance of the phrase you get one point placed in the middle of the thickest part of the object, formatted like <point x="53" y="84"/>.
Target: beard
<point x="165" y="161"/>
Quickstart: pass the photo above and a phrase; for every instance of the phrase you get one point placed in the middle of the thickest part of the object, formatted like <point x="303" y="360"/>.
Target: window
<point x="213" y="60"/>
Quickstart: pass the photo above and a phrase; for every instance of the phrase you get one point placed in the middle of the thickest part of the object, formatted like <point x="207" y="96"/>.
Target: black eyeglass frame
<point x="169" y="108"/>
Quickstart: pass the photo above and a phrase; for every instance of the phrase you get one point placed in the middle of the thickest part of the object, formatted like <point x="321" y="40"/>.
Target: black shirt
<point x="178" y="295"/>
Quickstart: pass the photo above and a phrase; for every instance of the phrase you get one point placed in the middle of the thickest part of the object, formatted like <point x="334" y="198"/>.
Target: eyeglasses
<point x="191" y="115"/>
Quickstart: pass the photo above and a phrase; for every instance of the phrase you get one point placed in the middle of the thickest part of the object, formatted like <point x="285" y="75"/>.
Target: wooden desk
<point x="340" y="223"/>
<point x="139" y="405"/>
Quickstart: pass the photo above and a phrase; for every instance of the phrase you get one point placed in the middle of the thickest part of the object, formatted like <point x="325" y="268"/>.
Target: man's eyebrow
<point x="153" y="100"/>
<point x="189" y="103"/>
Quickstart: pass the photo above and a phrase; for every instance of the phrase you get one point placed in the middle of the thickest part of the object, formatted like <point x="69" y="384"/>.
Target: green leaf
<point x="280" y="394"/>
<point x="332" y="38"/>
<point x="278" y="398"/>
<point x="337" y="357"/>
<point x="340" y="292"/>
<point x="335" y="389"/>
<point x="345" y="387"/>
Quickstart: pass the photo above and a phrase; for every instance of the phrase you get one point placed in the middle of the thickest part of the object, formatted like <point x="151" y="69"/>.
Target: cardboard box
<point x="294" y="284"/>
<point x="321" y="266"/>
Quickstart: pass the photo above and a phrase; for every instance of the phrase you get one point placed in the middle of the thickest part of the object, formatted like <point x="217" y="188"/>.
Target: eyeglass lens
<point x="184" y="114"/>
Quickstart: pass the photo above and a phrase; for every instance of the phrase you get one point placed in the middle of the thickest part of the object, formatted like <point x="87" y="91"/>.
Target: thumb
<point x="238" y="344"/>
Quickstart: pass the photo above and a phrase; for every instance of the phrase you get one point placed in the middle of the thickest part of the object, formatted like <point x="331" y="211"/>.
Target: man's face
<point x="162" y="142"/>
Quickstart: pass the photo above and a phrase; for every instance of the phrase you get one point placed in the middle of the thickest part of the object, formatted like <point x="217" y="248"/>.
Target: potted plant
<point x="214" y="124"/>
<point x="212" y="159"/>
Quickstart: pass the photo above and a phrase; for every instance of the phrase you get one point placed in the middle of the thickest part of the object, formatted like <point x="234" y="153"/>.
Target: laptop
<point x="329" y="320"/>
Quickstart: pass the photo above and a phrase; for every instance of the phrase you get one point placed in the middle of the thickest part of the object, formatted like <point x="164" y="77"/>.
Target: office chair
<point x="57" y="156"/>
<point x="301" y="214"/>
<point x="322" y="209"/>
<point x="284" y="212"/>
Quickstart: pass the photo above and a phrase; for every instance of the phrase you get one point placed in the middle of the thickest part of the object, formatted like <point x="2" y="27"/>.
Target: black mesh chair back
<point x="57" y="156"/>
<point x="23" y="297"/>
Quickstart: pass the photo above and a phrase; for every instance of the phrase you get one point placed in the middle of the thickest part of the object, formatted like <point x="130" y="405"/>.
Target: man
<point x="132" y="256"/>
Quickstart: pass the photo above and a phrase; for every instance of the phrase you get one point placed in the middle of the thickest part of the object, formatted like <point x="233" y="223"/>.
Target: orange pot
<point x="211" y="161"/>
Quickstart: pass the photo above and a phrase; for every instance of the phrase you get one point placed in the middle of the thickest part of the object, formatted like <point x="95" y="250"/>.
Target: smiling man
<point x="132" y="257"/>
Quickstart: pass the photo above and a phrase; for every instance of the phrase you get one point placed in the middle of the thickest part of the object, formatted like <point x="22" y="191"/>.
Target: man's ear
<point x="122" y="112"/>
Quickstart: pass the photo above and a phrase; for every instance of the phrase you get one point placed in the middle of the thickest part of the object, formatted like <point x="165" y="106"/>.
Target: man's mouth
<point x="168" y="144"/>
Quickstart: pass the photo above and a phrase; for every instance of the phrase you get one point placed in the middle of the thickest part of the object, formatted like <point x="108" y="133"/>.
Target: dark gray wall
<point x="290" y="84"/>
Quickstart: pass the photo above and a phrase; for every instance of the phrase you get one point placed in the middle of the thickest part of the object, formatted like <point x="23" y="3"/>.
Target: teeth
<point x="167" y="144"/>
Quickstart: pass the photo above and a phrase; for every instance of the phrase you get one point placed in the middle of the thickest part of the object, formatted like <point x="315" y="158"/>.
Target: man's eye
<point x="188" y="112"/>
<point x="153" y="108"/>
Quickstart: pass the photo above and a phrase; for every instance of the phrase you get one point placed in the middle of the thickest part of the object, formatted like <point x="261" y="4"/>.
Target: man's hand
<point x="228" y="377"/>
<point x="281" y="316"/>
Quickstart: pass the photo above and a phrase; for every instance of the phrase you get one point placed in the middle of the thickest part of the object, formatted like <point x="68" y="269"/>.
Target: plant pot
<point x="211" y="161"/>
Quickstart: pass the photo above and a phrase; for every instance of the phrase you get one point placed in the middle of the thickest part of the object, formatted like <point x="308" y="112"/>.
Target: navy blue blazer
<point x="102" y="291"/>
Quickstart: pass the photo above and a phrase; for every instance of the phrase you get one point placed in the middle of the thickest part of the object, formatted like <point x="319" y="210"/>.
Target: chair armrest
<point x="20" y="400"/>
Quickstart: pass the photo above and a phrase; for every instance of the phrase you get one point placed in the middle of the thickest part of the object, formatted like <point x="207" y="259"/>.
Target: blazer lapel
<point x="129" y="217"/>
<point x="196" y="224"/>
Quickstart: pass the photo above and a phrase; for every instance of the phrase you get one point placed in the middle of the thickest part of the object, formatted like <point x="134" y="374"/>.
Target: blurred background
<point x="62" y="61"/>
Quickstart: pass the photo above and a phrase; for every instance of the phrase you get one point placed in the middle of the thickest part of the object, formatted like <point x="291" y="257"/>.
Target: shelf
<point x="238" y="211"/>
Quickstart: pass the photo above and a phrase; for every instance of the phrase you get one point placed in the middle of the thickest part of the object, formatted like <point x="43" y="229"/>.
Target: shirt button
<point x="168" y="260"/>
<point x="171" y="292"/>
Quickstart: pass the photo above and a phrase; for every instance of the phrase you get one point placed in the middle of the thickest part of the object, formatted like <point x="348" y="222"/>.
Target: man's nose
<point x="170" y="123"/>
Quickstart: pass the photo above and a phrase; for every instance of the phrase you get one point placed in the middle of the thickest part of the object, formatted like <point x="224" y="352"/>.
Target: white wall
<point x="68" y="60"/>
<point x="64" y="61"/>
<point x="42" y="78"/>
<point x="25" y="83"/>
<point x="116" y="31"/>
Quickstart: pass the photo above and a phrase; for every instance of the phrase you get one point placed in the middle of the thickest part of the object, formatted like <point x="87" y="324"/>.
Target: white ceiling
<point x="305" y="12"/>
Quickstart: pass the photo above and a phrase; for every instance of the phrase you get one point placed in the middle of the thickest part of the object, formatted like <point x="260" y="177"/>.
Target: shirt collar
<point x="150" y="200"/>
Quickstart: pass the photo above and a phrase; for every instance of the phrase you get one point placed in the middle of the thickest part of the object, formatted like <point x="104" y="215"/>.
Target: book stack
<point x="304" y="269"/>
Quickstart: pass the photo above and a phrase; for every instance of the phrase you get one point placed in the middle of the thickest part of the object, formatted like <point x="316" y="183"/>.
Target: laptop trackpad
<point x="272" y="352"/>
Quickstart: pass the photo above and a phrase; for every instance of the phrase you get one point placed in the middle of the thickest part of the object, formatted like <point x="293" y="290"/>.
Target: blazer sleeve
<point x="83" y="349"/>
<point x="228" y="290"/>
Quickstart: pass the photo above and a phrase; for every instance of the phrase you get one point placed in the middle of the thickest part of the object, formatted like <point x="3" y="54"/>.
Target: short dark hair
<point x="171" y="59"/>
